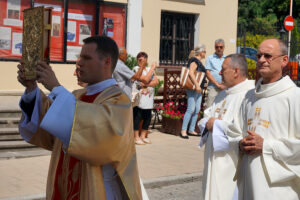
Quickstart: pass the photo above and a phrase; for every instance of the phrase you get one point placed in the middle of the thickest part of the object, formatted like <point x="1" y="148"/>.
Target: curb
<point x="29" y="197"/>
<point x="171" y="180"/>
<point x="148" y="184"/>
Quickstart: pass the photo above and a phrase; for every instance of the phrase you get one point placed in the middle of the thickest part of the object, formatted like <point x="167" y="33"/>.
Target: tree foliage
<point x="294" y="42"/>
<point x="265" y="16"/>
<point x="131" y="61"/>
<point x="253" y="40"/>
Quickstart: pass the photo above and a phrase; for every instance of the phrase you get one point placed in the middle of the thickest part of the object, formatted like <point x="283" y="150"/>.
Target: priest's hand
<point x="46" y="76"/>
<point x="252" y="144"/>
<point x="30" y="85"/>
<point x="210" y="124"/>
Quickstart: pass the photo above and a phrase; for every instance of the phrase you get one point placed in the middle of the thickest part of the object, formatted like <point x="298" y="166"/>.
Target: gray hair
<point x="238" y="60"/>
<point x="197" y="50"/>
<point x="220" y="41"/>
<point x="282" y="47"/>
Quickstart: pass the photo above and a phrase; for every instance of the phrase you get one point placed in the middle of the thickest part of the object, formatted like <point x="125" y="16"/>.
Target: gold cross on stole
<point x="221" y="110"/>
<point x="253" y="123"/>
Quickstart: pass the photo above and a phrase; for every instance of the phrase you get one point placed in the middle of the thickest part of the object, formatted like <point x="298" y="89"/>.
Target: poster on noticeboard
<point x="84" y="32"/>
<point x="108" y="27"/>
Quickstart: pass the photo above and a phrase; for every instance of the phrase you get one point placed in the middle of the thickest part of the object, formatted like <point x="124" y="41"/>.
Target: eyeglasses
<point x="219" y="47"/>
<point x="267" y="56"/>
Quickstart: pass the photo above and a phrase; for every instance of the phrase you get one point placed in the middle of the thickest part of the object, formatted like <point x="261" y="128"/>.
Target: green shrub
<point x="294" y="42"/>
<point x="253" y="40"/>
<point x="251" y="63"/>
<point x="131" y="62"/>
<point x="160" y="83"/>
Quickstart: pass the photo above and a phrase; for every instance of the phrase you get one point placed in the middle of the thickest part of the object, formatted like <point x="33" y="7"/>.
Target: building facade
<point x="166" y="29"/>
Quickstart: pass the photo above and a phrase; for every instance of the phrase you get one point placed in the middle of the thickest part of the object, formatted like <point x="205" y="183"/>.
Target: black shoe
<point x="198" y="134"/>
<point x="184" y="137"/>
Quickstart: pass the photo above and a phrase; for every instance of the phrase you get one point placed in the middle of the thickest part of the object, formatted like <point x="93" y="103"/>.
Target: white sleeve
<point x="220" y="140"/>
<point x="59" y="118"/>
<point x="282" y="159"/>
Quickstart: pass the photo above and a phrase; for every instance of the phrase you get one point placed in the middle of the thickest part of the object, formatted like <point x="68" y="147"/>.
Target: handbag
<point x="136" y="96"/>
<point x="185" y="80"/>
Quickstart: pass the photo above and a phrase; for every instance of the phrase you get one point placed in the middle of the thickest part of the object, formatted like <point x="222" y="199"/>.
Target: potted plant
<point x="172" y="117"/>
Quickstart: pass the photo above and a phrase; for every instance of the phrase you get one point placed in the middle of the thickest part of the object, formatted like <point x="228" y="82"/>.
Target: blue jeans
<point x="193" y="108"/>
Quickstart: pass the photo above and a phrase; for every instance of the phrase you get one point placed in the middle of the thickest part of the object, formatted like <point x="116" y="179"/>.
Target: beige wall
<point x="9" y="82"/>
<point x="218" y="19"/>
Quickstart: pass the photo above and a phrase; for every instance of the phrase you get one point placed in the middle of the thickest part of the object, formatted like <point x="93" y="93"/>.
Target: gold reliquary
<point x="36" y="38"/>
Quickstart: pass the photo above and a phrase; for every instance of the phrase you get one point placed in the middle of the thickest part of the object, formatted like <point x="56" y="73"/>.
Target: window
<point x="176" y="38"/>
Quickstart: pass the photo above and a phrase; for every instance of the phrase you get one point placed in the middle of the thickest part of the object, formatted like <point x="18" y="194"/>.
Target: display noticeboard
<point x="112" y="23"/>
<point x="11" y="17"/>
<point x="81" y="24"/>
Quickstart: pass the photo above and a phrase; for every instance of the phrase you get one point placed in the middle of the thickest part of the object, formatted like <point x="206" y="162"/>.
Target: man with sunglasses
<point x="213" y="67"/>
<point x="267" y="130"/>
<point x="220" y="160"/>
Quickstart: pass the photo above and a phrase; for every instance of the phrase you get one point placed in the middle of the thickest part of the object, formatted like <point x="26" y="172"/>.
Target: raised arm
<point x="138" y="74"/>
<point x="147" y="78"/>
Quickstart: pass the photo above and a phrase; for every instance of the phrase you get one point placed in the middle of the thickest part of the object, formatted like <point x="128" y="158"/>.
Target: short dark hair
<point x="106" y="47"/>
<point x="142" y="54"/>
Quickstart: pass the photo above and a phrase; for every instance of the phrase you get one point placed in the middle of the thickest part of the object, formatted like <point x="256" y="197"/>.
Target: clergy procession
<point x="150" y="100"/>
<point x="250" y="132"/>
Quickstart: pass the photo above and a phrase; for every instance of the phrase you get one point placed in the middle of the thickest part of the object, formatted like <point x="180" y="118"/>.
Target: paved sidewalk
<point x="167" y="156"/>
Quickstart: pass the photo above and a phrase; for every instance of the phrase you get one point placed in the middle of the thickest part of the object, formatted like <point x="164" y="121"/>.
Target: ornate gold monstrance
<point x="36" y="38"/>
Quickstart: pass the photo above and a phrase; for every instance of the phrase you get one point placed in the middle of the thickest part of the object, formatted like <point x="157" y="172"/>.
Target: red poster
<point x="112" y="23"/>
<point x="11" y="22"/>
<point x="56" y="42"/>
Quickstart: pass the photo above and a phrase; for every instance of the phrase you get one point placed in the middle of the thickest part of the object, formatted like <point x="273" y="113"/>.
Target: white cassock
<point x="273" y="112"/>
<point x="219" y="159"/>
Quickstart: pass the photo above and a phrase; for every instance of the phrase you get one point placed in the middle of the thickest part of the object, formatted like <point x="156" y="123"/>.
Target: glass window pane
<point x="56" y="41"/>
<point x="112" y="23"/>
<point x="11" y="29"/>
<point x="81" y="24"/>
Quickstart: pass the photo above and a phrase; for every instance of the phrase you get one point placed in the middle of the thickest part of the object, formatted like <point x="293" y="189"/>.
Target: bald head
<point x="272" y="58"/>
<point x="123" y="54"/>
<point x="278" y="44"/>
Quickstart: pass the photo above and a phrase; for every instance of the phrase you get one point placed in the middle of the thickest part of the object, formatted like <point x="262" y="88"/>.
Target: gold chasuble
<point x="102" y="133"/>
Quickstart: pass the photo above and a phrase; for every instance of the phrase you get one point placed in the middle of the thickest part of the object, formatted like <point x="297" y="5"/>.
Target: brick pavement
<point x="168" y="155"/>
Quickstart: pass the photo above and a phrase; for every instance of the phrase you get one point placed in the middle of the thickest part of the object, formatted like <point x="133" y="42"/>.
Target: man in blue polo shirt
<point x="213" y="67"/>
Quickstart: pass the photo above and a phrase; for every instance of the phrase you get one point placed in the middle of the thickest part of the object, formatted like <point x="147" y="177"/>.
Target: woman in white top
<point x="143" y="110"/>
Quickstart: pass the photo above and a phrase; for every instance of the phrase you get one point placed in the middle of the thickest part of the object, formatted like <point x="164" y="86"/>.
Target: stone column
<point x="134" y="27"/>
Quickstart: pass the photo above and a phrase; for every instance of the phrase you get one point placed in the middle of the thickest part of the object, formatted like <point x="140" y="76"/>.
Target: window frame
<point x="174" y="39"/>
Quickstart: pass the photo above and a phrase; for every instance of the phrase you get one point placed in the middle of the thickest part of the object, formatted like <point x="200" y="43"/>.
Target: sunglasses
<point x="267" y="56"/>
<point x="219" y="47"/>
